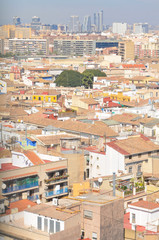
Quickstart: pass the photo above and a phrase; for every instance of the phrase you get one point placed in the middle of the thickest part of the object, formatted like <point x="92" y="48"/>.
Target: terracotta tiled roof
<point x="7" y="166"/>
<point x="133" y="66"/>
<point x="145" y="204"/>
<point x="31" y="139"/>
<point x="129" y="118"/>
<point x="21" y="205"/>
<point x="9" y="126"/>
<point x="71" y="125"/>
<point x="95" y="150"/>
<point x="133" y="145"/>
<point x="33" y="157"/>
<point x="89" y="101"/>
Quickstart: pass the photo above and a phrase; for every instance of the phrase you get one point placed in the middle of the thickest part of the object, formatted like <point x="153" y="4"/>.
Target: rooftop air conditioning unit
<point x="55" y="201"/>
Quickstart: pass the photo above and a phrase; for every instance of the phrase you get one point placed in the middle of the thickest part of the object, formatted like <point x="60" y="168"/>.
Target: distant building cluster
<point x="79" y="131"/>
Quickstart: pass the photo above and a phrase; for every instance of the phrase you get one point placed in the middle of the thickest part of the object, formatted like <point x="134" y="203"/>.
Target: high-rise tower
<point x="74" y="24"/>
<point x="98" y="21"/>
<point x="87" y="24"/>
<point x="16" y="21"/>
<point x="35" y="24"/>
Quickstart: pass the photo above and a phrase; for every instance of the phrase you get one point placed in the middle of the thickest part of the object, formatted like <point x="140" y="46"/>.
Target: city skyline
<point x="48" y="11"/>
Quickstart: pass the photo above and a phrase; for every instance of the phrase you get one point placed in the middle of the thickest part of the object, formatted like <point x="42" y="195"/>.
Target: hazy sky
<point x="58" y="11"/>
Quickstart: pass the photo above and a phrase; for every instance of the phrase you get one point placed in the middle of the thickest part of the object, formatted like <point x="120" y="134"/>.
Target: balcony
<point x="57" y="192"/>
<point x="33" y="198"/>
<point x="55" y="180"/>
<point x="19" y="188"/>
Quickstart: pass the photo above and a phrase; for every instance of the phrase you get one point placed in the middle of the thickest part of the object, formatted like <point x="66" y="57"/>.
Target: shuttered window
<point x="57" y="226"/>
<point x="39" y="223"/>
<point x="45" y="224"/>
<point x="51" y="226"/>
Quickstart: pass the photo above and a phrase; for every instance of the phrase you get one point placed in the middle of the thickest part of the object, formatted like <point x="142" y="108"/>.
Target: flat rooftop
<point x="95" y="198"/>
<point x="52" y="211"/>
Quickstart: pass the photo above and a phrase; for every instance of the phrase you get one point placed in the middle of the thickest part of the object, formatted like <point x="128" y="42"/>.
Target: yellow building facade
<point x="120" y="97"/>
<point x="45" y="98"/>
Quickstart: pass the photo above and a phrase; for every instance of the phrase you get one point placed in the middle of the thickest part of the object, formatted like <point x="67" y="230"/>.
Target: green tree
<point x="95" y="72"/>
<point x="87" y="80"/>
<point x="69" y="78"/>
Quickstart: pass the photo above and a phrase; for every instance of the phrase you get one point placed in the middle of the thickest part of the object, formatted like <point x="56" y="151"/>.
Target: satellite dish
<point x="100" y="180"/>
<point x="4" y="186"/>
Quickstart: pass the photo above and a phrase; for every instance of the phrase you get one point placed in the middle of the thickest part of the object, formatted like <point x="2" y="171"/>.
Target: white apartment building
<point x="119" y="28"/>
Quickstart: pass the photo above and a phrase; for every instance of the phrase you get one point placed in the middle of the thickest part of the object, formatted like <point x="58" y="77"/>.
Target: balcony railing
<point x="33" y="198"/>
<point x="57" y="192"/>
<point x="56" y="179"/>
<point x="21" y="187"/>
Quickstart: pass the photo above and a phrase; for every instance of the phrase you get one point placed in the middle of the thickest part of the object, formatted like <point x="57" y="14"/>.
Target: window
<point x="39" y="223"/>
<point x="87" y="173"/>
<point x="84" y="176"/>
<point x="51" y="226"/>
<point x="88" y="214"/>
<point x="39" y="98"/>
<point x="139" y="155"/>
<point x="133" y="218"/>
<point x="130" y="169"/>
<point x="45" y="224"/>
<point x="130" y="157"/>
<point x="34" y="97"/>
<point x="57" y="226"/>
<point x="139" y="168"/>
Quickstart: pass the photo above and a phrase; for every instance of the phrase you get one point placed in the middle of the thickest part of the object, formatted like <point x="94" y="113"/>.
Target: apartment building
<point x="93" y="216"/>
<point x="27" y="176"/>
<point x="6" y="31"/>
<point x="126" y="50"/>
<point x="74" y="47"/>
<point x="132" y="155"/>
<point x="28" y="46"/>
<point x="147" y="49"/>
<point x="139" y="28"/>
<point x="11" y="31"/>
<point x="119" y="28"/>
<point x="1" y="46"/>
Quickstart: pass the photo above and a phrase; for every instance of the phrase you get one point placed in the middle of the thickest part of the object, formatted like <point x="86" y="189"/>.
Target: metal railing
<point x="21" y="187"/>
<point x="57" y="192"/>
<point x="33" y="198"/>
